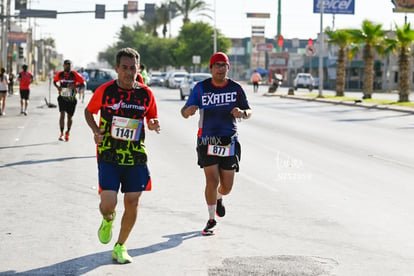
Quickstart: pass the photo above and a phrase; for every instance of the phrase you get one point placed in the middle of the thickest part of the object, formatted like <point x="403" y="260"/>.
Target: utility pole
<point x="5" y="24"/>
<point x="321" y="55"/>
<point x="3" y="39"/>
<point x="6" y="38"/>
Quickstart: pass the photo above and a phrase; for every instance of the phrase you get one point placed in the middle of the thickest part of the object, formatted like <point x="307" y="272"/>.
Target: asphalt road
<point x="323" y="190"/>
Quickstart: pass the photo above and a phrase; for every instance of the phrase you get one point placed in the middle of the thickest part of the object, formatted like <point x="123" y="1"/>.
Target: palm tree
<point x="401" y="43"/>
<point x="342" y="39"/>
<point x="185" y="7"/>
<point x="163" y="13"/>
<point x="151" y="23"/>
<point x="370" y="37"/>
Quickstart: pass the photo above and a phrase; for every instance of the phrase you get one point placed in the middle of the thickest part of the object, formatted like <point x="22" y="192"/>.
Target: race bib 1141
<point x="126" y="128"/>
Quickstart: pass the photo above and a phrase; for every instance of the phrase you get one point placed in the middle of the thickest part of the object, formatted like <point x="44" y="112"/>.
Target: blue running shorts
<point x="129" y="178"/>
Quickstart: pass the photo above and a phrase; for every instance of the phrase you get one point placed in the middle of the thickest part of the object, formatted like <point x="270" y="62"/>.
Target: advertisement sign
<point x="257" y="15"/>
<point x="16" y="37"/>
<point x="403" y="5"/>
<point x="279" y="62"/>
<point x="132" y="6"/>
<point x="335" y="6"/>
<point x="264" y="47"/>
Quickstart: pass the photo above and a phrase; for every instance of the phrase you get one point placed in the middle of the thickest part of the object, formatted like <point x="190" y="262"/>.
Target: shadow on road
<point x="31" y="145"/>
<point x="34" y="162"/>
<point x="84" y="264"/>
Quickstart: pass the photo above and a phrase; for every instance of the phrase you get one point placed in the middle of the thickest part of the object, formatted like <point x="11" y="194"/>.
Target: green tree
<point x="401" y="44"/>
<point x="186" y="7"/>
<point x="155" y="52"/>
<point x="196" y="39"/>
<point x="342" y="39"/>
<point x="371" y="38"/>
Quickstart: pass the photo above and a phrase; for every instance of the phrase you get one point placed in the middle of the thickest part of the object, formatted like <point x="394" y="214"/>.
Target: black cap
<point x="67" y="61"/>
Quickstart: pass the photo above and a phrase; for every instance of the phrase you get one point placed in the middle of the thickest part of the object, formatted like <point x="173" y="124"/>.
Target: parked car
<point x="304" y="80"/>
<point x="189" y="81"/>
<point x="97" y="77"/>
<point x="175" y="79"/>
<point x="157" y="78"/>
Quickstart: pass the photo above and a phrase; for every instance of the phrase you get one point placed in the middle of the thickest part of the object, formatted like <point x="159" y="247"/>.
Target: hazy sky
<point x="80" y="36"/>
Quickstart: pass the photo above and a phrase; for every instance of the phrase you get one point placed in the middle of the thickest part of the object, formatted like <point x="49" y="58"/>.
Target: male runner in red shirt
<point x="68" y="81"/>
<point x="25" y="78"/>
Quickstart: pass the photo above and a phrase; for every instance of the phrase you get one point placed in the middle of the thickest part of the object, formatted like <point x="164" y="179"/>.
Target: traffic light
<point x="100" y="11"/>
<point x="21" y="52"/>
<point x="20" y="4"/>
<point x="126" y="11"/>
<point x="149" y="11"/>
<point x="280" y="41"/>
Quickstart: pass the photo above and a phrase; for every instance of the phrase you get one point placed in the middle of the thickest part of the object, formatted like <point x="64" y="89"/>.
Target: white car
<point x="190" y="81"/>
<point x="175" y="79"/>
<point x="304" y="80"/>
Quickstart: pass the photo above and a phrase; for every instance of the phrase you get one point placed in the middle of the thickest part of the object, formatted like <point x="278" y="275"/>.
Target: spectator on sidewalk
<point x="4" y="86"/>
<point x="11" y="83"/>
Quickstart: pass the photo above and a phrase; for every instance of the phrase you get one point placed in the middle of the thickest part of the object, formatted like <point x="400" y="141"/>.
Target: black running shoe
<point x="220" y="210"/>
<point x="210" y="228"/>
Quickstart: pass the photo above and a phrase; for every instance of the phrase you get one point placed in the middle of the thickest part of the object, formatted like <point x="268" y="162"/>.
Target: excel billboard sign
<point x="334" y="6"/>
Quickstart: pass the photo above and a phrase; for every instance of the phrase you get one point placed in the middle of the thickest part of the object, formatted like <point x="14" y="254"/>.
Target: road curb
<point x="348" y="103"/>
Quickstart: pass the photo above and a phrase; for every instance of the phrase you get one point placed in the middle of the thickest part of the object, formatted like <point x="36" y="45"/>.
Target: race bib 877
<point x="126" y="128"/>
<point x="222" y="151"/>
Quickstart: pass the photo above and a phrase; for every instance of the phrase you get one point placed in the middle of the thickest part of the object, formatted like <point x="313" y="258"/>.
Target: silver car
<point x="304" y="80"/>
<point x="175" y="79"/>
<point x="190" y="81"/>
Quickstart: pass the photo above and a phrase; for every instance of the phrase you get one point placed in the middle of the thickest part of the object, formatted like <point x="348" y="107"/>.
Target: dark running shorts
<point x="225" y="163"/>
<point x="129" y="178"/>
<point x="67" y="104"/>
<point x="24" y="94"/>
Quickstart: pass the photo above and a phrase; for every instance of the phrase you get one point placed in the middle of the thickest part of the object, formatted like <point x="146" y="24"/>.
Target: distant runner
<point x="68" y="80"/>
<point x="25" y="78"/>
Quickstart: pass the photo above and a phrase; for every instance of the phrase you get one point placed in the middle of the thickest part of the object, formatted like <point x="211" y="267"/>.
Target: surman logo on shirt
<point x="115" y="106"/>
<point x="219" y="99"/>
<point x="123" y="105"/>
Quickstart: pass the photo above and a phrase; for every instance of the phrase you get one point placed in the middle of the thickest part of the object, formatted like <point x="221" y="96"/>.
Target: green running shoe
<point x="120" y="254"/>
<point x="105" y="231"/>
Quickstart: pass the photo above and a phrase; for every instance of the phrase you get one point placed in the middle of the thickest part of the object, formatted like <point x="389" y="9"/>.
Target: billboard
<point x="403" y="5"/>
<point x="17" y="37"/>
<point x="334" y="6"/>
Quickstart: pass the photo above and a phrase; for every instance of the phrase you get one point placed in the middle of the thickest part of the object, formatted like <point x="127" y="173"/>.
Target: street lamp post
<point x="215" y="30"/>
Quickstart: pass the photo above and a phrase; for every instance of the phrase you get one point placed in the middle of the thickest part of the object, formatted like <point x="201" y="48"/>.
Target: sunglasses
<point x="219" y="65"/>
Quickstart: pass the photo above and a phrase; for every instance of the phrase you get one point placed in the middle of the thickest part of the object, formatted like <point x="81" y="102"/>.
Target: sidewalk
<point x="39" y="91"/>
<point x="302" y="94"/>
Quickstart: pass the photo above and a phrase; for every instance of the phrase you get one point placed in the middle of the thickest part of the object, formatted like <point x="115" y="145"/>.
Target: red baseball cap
<point x="219" y="57"/>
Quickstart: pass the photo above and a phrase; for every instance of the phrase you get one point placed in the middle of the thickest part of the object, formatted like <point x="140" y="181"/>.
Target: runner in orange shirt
<point x="256" y="78"/>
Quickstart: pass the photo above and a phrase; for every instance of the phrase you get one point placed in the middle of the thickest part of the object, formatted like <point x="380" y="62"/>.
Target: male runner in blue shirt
<point x="221" y="102"/>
